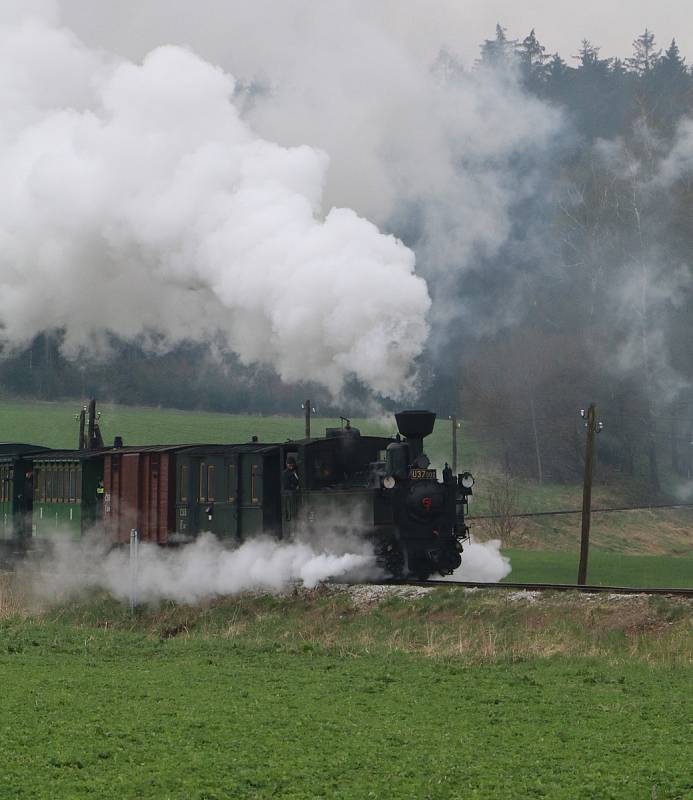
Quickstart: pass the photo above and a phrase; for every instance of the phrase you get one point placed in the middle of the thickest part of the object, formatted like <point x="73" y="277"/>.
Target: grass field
<point x="451" y="695"/>
<point x="605" y="568"/>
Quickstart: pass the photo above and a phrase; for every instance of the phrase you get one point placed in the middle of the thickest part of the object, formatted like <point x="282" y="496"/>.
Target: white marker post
<point x="134" y="548"/>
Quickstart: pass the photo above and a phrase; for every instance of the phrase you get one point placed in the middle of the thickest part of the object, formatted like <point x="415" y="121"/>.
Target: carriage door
<point x="184" y="497"/>
<point x="231" y="498"/>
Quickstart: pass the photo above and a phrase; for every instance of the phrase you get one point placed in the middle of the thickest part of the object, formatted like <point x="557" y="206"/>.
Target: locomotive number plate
<point x="422" y="474"/>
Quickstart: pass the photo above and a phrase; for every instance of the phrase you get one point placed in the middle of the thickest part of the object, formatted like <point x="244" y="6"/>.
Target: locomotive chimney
<point x="415" y="425"/>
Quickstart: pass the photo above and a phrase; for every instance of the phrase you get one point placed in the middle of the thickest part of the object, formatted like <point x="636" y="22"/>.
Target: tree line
<point x="610" y="317"/>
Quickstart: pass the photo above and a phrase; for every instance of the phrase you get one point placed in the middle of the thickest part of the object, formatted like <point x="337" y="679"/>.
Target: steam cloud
<point x="207" y="568"/>
<point x="137" y="201"/>
<point x="201" y="570"/>
<point x="482" y="562"/>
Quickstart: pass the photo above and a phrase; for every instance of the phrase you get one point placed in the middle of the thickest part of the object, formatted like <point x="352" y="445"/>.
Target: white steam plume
<point x="454" y="159"/>
<point x="137" y="201"/>
<point x="199" y="571"/>
<point x="207" y="568"/>
<point x="482" y="562"/>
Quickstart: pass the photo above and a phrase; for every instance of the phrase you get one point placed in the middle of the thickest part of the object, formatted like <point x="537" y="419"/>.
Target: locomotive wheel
<point x="389" y="556"/>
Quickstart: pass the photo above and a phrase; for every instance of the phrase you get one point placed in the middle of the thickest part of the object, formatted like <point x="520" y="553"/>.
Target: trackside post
<point x="134" y="554"/>
<point x="592" y="426"/>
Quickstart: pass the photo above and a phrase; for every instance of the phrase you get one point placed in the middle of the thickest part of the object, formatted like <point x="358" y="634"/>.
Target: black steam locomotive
<point x="375" y="488"/>
<point x="386" y="491"/>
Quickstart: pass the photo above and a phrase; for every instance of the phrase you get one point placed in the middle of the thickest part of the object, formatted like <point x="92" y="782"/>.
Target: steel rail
<point x="540" y="587"/>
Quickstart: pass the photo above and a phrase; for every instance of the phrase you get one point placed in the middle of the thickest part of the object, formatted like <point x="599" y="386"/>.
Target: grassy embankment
<point x="449" y="695"/>
<point x="652" y="548"/>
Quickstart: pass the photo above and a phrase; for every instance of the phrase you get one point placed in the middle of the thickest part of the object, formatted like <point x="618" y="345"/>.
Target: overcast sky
<point x="132" y="27"/>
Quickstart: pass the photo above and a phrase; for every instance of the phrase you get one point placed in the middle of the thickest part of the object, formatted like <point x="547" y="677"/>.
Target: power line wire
<point x="579" y="511"/>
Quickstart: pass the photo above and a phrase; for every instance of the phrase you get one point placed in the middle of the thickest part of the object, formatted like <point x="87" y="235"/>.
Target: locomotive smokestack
<point x="415" y="425"/>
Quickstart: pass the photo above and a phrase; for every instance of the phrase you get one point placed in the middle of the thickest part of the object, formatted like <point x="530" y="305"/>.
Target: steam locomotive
<point x="377" y="488"/>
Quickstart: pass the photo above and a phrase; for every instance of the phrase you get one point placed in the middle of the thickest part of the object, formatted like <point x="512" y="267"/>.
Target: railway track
<point x="547" y="587"/>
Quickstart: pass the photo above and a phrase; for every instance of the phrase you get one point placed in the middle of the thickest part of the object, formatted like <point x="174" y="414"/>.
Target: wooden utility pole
<point x="592" y="427"/>
<point x="306" y="409"/>
<point x="536" y="440"/>
<point x="455" y="426"/>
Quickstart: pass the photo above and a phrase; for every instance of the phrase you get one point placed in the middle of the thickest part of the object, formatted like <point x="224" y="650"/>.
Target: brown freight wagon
<point x="139" y="492"/>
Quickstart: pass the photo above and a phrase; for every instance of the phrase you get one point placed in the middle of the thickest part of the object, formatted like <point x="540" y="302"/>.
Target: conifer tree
<point x="556" y="68"/>
<point x="645" y="57"/>
<point x="588" y="56"/>
<point x="672" y="66"/>
<point x="618" y="68"/>
<point x="532" y="57"/>
<point x="531" y="51"/>
<point x="673" y="87"/>
<point x="497" y="52"/>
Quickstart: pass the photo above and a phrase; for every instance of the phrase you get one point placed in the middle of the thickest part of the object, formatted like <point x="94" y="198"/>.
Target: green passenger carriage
<point x="16" y="492"/>
<point x="68" y="493"/>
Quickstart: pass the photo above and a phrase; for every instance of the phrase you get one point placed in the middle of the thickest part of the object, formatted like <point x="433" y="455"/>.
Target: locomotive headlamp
<point x="467" y="480"/>
<point x="389" y="482"/>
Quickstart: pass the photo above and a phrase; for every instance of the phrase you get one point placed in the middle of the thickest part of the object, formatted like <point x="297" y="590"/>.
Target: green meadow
<point x="318" y="695"/>
<point x="604" y="568"/>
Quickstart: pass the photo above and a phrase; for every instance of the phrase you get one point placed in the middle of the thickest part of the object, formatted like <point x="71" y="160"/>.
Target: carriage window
<point x="49" y="484"/>
<point x="78" y="482"/>
<point x="60" y="491"/>
<point x="203" y="476"/>
<point x="40" y="484"/>
<point x="253" y="484"/>
<point x="210" y="482"/>
<point x="231" y="483"/>
<point x="183" y="484"/>
<point x="3" y="480"/>
<point x="71" y="487"/>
